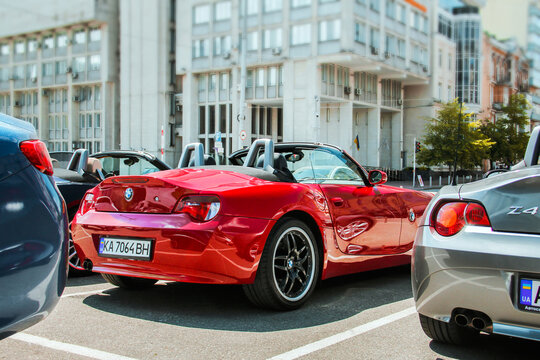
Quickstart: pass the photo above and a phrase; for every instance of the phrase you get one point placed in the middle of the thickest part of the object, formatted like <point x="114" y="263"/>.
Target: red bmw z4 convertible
<point x="282" y="218"/>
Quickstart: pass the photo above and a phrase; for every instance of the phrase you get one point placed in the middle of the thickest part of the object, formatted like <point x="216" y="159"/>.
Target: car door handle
<point x="337" y="201"/>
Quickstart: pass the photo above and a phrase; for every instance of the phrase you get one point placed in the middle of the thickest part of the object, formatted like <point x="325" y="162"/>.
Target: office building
<point x="59" y="71"/>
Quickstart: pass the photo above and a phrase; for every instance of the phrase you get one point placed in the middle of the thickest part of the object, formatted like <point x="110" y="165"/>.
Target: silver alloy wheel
<point x="293" y="264"/>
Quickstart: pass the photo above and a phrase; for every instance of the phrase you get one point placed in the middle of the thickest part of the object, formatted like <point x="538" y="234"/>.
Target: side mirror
<point x="377" y="177"/>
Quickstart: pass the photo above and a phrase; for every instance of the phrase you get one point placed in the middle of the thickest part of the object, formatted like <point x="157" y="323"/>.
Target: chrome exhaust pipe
<point x="87" y="265"/>
<point x="462" y="319"/>
<point x="478" y="323"/>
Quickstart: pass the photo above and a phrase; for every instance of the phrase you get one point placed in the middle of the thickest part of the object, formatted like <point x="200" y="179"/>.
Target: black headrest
<point x="279" y="161"/>
<point x="208" y="160"/>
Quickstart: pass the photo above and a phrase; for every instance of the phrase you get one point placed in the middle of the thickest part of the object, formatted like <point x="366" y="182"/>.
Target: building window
<point x="61" y="40"/>
<point x="79" y="64"/>
<point x="31" y="72"/>
<point x="374" y="38"/>
<point x="260" y="77"/>
<point x="90" y="117"/>
<point x="449" y="62"/>
<point x="329" y="30"/>
<point x="4" y="74"/>
<point x="300" y="3"/>
<point x="20" y="47"/>
<point x="390" y="44"/>
<point x="60" y="67"/>
<point x="200" y="48"/>
<point x="222" y="11"/>
<point x="223" y="81"/>
<point x="401" y="45"/>
<point x="79" y="37"/>
<point x="391" y="9"/>
<point x="94" y="63"/>
<point x="301" y="34"/>
<point x="440" y="58"/>
<point x="29" y="108"/>
<point x="202" y="83"/>
<point x="95" y="35"/>
<point x="445" y="26"/>
<point x="272" y="38"/>
<point x="57" y="116"/>
<point x="272" y="5"/>
<point x="4" y="49"/>
<point x="374" y="5"/>
<point x="401" y="13"/>
<point x="32" y="45"/>
<point x="47" y="69"/>
<point x="48" y="42"/>
<point x="272" y="76"/>
<point x="222" y="45"/>
<point x="201" y="14"/>
<point x="252" y="41"/>
<point x="252" y="7"/>
<point x="360" y="33"/>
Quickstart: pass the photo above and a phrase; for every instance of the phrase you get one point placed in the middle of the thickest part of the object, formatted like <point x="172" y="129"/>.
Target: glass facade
<point x="468" y="38"/>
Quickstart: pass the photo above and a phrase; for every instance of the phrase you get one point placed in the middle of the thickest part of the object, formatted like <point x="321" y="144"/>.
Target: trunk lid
<point x="138" y="194"/>
<point x="512" y="200"/>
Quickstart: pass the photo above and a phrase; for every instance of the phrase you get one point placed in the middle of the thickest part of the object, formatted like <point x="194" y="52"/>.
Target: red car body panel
<point x="228" y="248"/>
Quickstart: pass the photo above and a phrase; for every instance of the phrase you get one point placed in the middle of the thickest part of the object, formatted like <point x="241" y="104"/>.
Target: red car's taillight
<point x="36" y="152"/>
<point x="201" y="208"/>
<point x="87" y="202"/>
<point x="451" y="217"/>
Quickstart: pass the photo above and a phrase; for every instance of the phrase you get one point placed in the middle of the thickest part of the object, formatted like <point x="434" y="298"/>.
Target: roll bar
<point x="78" y="161"/>
<point x="253" y="154"/>
<point x="198" y="157"/>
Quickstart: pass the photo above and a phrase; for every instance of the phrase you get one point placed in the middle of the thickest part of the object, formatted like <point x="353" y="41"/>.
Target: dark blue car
<point x="33" y="229"/>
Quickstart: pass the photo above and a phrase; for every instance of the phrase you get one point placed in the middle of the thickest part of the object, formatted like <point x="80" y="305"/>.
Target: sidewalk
<point x="409" y="185"/>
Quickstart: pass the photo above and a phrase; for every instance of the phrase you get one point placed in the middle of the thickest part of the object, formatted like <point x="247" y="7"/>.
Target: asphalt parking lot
<point x="363" y="316"/>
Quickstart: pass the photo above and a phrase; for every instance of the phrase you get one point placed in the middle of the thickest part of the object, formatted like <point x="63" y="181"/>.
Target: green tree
<point x="448" y="136"/>
<point x="509" y="142"/>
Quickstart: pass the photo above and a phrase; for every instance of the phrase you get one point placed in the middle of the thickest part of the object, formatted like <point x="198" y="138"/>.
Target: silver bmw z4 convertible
<point x="476" y="257"/>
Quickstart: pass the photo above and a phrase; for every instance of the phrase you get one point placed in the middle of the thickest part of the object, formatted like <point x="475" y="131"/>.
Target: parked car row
<point x="277" y="221"/>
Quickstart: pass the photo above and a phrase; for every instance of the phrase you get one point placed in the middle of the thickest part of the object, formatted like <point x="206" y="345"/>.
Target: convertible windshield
<point x="323" y="166"/>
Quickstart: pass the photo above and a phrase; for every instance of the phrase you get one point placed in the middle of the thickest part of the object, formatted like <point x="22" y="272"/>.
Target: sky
<point x="450" y="3"/>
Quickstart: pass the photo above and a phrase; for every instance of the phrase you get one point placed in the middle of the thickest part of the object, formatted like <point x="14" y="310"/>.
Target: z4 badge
<point x="518" y="210"/>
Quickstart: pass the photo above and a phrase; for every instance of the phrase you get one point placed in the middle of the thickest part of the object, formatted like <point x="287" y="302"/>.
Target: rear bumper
<point x="225" y="250"/>
<point x="477" y="269"/>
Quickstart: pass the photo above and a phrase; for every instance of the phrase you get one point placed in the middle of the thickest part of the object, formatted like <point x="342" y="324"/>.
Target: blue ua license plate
<point x="123" y="248"/>
<point x="529" y="295"/>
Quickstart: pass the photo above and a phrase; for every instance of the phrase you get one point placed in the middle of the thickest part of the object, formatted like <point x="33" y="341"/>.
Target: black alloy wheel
<point x="288" y="270"/>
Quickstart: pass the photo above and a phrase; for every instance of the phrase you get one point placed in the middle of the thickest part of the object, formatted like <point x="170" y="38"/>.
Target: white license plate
<point x="529" y="295"/>
<point x="123" y="248"/>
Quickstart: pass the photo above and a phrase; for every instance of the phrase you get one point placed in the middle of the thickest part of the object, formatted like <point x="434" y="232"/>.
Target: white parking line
<point x="332" y="340"/>
<point x="70" y="348"/>
<point x="86" y="293"/>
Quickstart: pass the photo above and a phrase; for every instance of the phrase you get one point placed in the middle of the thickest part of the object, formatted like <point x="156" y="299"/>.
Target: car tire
<point x="128" y="282"/>
<point x="449" y="333"/>
<point x="75" y="267"/>
<point x="288" y="270"/>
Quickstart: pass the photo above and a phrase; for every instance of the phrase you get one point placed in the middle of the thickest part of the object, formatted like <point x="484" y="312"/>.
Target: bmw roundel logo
<point x="128" y="194"/>
<point x="412" y="215"/>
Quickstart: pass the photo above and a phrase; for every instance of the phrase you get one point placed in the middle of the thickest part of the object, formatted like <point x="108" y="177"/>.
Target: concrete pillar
<point x="373" y="136"/>
<point x="397" y="131"/>
<point x="346" y="126"/>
